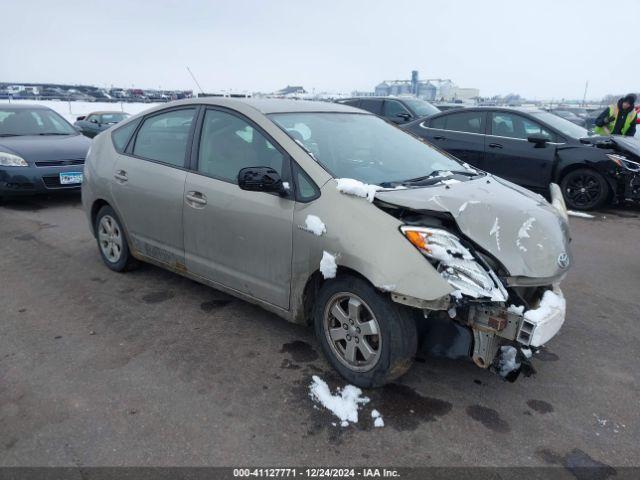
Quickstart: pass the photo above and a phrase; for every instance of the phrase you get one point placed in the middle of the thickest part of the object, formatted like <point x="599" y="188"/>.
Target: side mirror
<point x="261" y="179"/>
<point x="93" y="120"/>
<point x="82" y="117"/>
<point x="538" y="139"/>
<point x="403" y="117"/>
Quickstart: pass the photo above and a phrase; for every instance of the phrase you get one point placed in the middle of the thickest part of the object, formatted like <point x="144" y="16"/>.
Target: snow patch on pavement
<point x="344" y="404"/>
<point x="314" y="225"/>
<point x="507" y="362"/>
<point x="580" y="214"/>
<point x="328" y="266"/>
<point x="377" y="418"/>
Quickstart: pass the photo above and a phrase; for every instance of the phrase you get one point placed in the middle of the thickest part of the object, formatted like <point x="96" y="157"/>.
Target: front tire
<point x="584" y="189"/>
<point x="112" y="241"/>
<point x="366" y="337"/>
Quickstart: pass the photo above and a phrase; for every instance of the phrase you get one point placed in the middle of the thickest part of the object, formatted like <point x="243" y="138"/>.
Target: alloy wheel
<point x="583" y="190"/>
<point x="352" y="331"/>
<point x="110" y="238"/>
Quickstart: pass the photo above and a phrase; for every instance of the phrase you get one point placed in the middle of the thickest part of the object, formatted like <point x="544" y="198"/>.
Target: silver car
<point x="328" y="215"/>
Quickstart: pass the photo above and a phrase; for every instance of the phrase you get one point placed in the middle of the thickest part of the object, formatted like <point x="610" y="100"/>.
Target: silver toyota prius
<point x="329" y="216"/>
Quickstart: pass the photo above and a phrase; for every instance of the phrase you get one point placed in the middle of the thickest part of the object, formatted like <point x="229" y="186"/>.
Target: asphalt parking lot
<point x="149" y="368"/>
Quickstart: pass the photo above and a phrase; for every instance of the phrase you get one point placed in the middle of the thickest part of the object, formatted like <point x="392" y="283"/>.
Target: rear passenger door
<point x="237" y="238"/>
<point x="460" y="133"/>
<point x="148" y="184"/>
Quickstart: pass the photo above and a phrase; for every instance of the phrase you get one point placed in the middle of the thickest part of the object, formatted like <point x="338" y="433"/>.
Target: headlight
<point x="10" y="160"/>
<point x="456" y="264"/>
<point x="624" y="162"/>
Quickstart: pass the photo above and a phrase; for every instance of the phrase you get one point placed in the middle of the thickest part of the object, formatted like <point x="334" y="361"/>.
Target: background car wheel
<point x="584" y="189"/>
<point x="366" y="337"/>
<point x="112" y="241"/>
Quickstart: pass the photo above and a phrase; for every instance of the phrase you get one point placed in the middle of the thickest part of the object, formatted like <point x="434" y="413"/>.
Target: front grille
<point x="53" y="181"/>
<point x="59" y="163"/>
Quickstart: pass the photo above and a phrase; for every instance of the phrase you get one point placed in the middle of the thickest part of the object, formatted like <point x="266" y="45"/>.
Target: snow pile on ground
<point x="350" y="186"/>
<point x="72" y="110"/>
<point x="377" y="418"/>
<point x="580" y="214"/>
<point x="328" y="266"/>
<point x="507" y="362"/>
<point x="344" y="404"/>
<point x="315" y="225"/>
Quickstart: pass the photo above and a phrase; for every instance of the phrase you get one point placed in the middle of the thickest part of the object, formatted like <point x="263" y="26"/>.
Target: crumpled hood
<point x="42" y="148"/>
<point x="518" y="227"/>
<point x="627" y="144"/>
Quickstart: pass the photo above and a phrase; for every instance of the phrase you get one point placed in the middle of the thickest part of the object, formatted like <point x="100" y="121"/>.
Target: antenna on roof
<point x="194" y="79"/>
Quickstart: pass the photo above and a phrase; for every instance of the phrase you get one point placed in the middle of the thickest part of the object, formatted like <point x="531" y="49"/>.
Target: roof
<point x="267" y="105"/>
<point x="22" y="106"/>
<point x="506" y="109"/>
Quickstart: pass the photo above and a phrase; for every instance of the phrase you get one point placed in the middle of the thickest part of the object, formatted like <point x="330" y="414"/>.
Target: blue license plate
<point x="70" y="178"/>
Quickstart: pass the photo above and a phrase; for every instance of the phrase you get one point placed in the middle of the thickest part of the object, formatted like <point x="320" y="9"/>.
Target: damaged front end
<point x="495" y="314"/>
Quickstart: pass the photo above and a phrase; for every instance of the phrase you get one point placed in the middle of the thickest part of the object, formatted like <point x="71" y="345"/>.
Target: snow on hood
<point x="629" y="144"/>
<point x="518" y="227"/>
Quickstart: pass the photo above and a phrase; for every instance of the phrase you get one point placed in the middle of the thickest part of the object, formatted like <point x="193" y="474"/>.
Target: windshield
<point x="364" y="147"/>
<point x="565" y="127"/>
<point x="113" y="117"/>
<point x="16" y="122"/>
<point x="422" y="108"/>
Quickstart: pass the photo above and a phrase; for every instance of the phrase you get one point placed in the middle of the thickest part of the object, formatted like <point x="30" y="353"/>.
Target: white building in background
<point x="435" y="89"/>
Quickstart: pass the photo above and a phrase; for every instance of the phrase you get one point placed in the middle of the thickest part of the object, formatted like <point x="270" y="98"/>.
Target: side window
<point x="306" y="189"/>
<point x="392" y="108"/>
<point x="228" y="144"/>
<point x="470" y="122"/>
<point x="531" y="128"/>
<point x="438" y="122"/>
<point x="164" y="137"/>
<point x="516" y="126"/>
<point x="120" y="137"/>
<point x="91" y="118"/>
<point x="371" y="105"/>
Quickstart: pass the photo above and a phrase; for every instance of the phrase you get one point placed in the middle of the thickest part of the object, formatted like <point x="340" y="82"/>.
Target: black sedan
<point x="95" y="122"/>
<point x="40" y="152"/>
<point x="398" y="110"/>
<point x="534" y="148"/>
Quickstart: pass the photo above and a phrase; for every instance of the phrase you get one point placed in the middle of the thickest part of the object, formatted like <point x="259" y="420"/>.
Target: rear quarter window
<point x="120" y="136"/>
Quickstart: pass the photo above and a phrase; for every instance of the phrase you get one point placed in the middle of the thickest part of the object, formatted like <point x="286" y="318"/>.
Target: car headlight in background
<point x="624" y="162"/>
<point x="10" y="160"/>
<point x="456" y="264"/>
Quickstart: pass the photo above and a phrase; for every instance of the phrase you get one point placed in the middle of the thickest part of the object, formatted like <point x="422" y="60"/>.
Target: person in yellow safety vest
<point x="619" y="119"/>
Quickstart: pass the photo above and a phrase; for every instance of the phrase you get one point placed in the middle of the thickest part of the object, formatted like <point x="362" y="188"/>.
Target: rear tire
<point x="366" y="337"/>
<point x="112" y="241"/>
<point x="584" y="189"/>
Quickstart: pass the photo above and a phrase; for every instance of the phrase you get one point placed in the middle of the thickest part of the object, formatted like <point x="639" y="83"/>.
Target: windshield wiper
<point x="55" y="133"/>
<point x="11" y="135"/>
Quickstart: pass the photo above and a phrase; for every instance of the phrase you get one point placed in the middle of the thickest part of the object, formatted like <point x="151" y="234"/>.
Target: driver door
<point x="237" y="238"/>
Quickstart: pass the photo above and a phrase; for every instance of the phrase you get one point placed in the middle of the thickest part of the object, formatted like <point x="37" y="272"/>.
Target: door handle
<point x="196" y="199"/>
<point x="439" y="137"/>
<point x="495" y="145"/>
<point x="121" y="176"/>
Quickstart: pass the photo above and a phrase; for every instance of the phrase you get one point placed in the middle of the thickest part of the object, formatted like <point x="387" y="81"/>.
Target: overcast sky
<point x="537" y="48"/>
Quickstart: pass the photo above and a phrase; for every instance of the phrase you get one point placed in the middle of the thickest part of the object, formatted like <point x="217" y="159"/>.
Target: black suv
<point x="396" y="110"/>
<point x="534" y="148"/>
